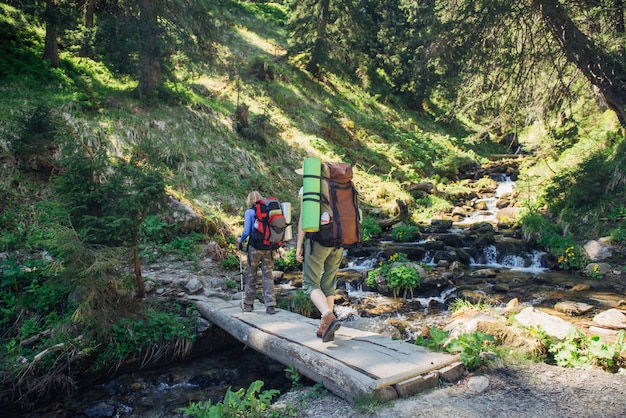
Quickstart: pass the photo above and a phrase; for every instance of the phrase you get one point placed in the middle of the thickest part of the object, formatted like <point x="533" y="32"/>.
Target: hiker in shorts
<point x="254" y="257"/>
<point x="319" y="270"/>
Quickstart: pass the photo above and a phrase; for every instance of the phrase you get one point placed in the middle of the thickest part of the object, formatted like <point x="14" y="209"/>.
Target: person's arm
<point x="248" y="221"/>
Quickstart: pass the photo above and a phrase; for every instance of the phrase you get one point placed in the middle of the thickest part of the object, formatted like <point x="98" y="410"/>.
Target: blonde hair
<point x="253" y="196"/>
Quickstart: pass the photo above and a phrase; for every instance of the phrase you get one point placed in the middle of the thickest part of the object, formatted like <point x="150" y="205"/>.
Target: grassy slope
<point x="292" y="116"/>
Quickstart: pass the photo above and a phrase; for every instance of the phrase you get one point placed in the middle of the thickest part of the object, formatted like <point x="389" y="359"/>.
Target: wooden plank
<point x="343" y="381"/>
<point x="355" y="363"/>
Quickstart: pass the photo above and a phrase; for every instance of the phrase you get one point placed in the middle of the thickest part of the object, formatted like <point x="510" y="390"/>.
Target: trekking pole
<point x="241" y="274"/>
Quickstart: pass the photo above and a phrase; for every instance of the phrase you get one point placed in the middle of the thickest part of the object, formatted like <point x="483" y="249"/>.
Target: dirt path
<point x="529" y="391"/>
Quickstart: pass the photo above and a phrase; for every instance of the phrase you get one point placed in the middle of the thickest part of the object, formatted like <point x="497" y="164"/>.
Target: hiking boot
<point x="248" y="307"/>
<point x="328" y="326"/>
<point x="270" y="310"/>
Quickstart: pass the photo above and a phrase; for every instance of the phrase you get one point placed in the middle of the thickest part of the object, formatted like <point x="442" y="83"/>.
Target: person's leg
<point x="328" y="280"/>
<point x="267" y="267"/>
<point x="254" y="256"/>
<point x="312" y="273"/>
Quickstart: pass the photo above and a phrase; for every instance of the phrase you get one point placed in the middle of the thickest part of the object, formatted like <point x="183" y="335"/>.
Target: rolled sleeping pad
<point x="311" y="184"/>
<point x="285" y="207"/>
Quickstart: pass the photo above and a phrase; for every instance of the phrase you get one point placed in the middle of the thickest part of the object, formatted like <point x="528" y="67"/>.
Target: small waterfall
<point x="490" y="258"/>
<point x="361" y="263"/>
<point x="442" y="298"/>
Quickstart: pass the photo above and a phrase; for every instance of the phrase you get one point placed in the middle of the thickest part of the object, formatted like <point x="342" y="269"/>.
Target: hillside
<point x="213" y="162"/>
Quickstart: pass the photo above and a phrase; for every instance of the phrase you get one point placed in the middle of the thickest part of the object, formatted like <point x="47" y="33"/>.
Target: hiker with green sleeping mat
<point x="329" y="222"/>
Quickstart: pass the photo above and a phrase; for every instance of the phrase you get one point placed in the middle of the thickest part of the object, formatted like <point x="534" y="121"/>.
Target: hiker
<point x="319" y="277"/>
<point x="255" y="256"/>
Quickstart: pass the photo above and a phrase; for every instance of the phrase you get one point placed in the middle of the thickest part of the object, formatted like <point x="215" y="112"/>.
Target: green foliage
<point x="37" y="136"/>
<point x="469" y="345"/>
<point x="294" y="375"/>
<point x="231" y="262"/>
<point x="436" y="340"/>
<point x="154" y="230"/>
<point x="399" y="274"/>
<point x="371" y="228"/>
<point x="301" y="304"/>
<point x="547" y="235"/>
<point x="288" y="261"/>
<point x="271" y="12"/>
<point x="405" y="233"/>
<point x="147" y="338"/>
<point x="242" y="403"/>
<point x="570" y="258"/>
<point x="578" y="350"/>
<point x="594" y="273"/>
<point x="108" y="211"/>
<point x="461" y="304"/>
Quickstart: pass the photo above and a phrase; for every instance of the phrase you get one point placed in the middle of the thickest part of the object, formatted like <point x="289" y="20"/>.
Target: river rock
<point x="597" y="268"/>
<point x="573" y="308"/>
<point x="612" y="318"/>
<point x="477" y="384"/>
<point x="552" y="325"/>
<point x="598" y="250"/>
<point x="184" y="217"/>
<point x="484" y="273"/>
<point x="193" y="285"/>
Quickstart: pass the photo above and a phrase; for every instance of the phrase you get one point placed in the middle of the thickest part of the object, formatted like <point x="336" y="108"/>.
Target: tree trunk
<point x="602" y="70"/>
<point x="90" y="7"/>
<point x="51" y="48"/>
<point x="141" y="286"/>
<point x="149" y="57"/>
<point x="320" y="51"/>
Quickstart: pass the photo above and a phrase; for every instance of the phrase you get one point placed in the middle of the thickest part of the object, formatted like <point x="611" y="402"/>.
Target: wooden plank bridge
<point x="357" y="363"/>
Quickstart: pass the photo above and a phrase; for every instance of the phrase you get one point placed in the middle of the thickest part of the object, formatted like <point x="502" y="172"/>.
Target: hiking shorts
<point x="320" y="268"/>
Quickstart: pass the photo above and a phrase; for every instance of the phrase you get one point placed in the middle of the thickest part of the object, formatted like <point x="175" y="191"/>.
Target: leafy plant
<point x="371" y="228"/>
<point x="405" y="233"/>
<point x="399" y="274"/>
<point x="242" y="403"/>
<point x="469" y="345"/>
<point x="578" y="350"/>
<point x="288" y="261"/>
<point x="230" y="262"/>
<point x="594" y="273"/>
<point x="294" y="375"/>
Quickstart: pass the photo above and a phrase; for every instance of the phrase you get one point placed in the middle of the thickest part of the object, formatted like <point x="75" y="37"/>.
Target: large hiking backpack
<point x="339" y="199"/>
<point x="269" y="225"/>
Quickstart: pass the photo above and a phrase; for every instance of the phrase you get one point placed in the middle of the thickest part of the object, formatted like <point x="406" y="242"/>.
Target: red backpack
<point x="269" y="224"/>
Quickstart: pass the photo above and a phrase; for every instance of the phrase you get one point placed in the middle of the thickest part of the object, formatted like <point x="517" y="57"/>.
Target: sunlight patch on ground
<point x="263" y="44"/>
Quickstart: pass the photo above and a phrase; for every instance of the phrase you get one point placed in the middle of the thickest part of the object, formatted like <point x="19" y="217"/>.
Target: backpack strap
<point x="332" y="190"/>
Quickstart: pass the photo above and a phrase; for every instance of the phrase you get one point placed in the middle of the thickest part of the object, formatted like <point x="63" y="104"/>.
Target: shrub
<point x="371" y="228"/>
<point x="405" y="233"/>
<point x="287" y="262"/>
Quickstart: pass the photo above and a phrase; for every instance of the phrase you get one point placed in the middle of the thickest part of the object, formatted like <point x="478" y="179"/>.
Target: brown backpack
<point x="339" y="199"/>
